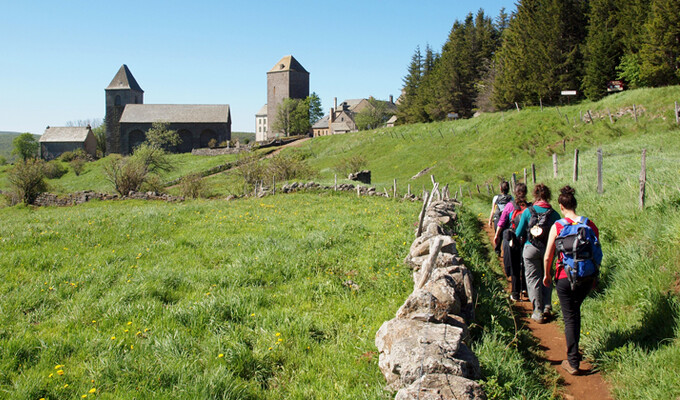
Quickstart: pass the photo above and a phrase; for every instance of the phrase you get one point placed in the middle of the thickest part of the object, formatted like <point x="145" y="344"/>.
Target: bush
<point x="153" y="183"/>
<point x="125" y="173"/>
<point x="351" y="164"/>
<point x="69" y="156"/>
<point x="154" y="159"/>
<point x="193" y="186"/>
<point x="77" y="165"/>
<point x="212" y="143"/>
<point x="290" y="166"/>
<point x="54" y="169"/>
<point x="27" y="180"/>
<point x="3" y="160"/>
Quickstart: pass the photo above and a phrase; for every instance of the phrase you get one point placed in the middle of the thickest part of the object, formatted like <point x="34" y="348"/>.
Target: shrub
<point x="69" y="156"/>
<point x="224" y="143"/>
<point x="154" y="159"/>
<point x="193" y="186"/>
<point x="212" y="143"/>
<point x="289" y="166"/>
<point x="27" y="180"/>
<point x="3" y="160"/>
<point x="54" y="169"/>
<point x="351" y="164"/>
<point x="125" y="173"/>
<point x="153" y="183"/>
<point x="77" y="165"/>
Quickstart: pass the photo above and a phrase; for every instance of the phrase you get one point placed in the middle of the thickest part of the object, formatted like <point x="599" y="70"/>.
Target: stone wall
<point x="72" y="199"/>
<point x="423" y="350"/>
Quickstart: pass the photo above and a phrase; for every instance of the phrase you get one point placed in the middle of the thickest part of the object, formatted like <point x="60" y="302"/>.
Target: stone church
<point x="287" y="79"/>
<point x="128" y="118"/>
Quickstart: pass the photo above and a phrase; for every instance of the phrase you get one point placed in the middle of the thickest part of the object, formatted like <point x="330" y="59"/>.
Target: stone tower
<point x="287" y="79"/>
<point x="122" y="90"/>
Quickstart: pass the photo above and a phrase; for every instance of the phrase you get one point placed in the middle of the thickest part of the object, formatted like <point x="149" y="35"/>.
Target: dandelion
<point x="50" y="375"/>
<point x="278" y="334"/>
<point x="126" y="331"/>
<point x="113" y="338"/>
<point x="58" y="366"/>
<point x="270" y="348"/>
<point x="60" y="372"/>
<point x="65" y="386"/>
<point x="94" y="321"/>
<point x="92" y="390"/>
<point x="253" y="314"/>
<point x="129" y="323"/>
<point x="220" y="355"/>
<point x="132" y="347"/>
<point x="83" y="396"/>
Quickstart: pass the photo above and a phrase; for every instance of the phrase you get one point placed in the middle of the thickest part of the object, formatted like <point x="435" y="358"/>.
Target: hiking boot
<point x="571" y="370"/>
<point x="547" y="311"/>
<point x="537" y="316"/>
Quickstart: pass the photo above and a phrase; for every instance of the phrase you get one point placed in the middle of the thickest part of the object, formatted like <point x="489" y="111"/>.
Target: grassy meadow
<point x="202" y="299"/>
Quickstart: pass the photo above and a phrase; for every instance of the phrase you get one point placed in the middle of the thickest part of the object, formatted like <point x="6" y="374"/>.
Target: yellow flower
<point x="132" y="347"/>
<point x="50" y="375"/>
<point x="278" y="333"/>
<point x="60" y="372"/>
<point x="93" y="390"/>
<point x="126" y="331"/>
<point x="83" y="396"/>
<point x="59" y="366"/>
<point x="220" y="355"/>
<point x="113" y="338"/>
<point x="129" y="323"/>
<point x="65" y="386"/>
<point x="252" y="315"/>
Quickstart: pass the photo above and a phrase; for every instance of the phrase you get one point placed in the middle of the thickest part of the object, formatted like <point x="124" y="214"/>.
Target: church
<point x="128" y="118"/>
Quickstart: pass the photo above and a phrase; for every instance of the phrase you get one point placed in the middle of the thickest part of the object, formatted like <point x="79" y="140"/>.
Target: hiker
<point x="511" y="244"/>
<point x="534" y="227"/>
<point x="572" y="290"/>
<point x="497" y="204"/>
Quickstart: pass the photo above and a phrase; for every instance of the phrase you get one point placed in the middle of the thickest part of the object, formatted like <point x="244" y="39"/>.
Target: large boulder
<point x="361" y="176"/>
<point x="410" y="348"/>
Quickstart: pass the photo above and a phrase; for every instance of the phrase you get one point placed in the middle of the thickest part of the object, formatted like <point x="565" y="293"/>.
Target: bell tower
<point x="122" y="90"/>
<point x="287" y="79"/>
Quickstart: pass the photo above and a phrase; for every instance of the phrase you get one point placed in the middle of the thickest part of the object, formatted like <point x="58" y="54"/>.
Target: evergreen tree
<point x="660" y="52"/>
<point x="407" y="111"/>
<point x="603" y="49"/>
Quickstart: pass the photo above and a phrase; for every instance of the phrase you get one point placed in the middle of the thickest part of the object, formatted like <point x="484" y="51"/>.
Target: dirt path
<point x="552" y="343"/>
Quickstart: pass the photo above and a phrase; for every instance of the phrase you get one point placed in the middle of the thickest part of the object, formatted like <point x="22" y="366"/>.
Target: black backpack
<point x="539" y="227"/>
<point x="501" y="201"/>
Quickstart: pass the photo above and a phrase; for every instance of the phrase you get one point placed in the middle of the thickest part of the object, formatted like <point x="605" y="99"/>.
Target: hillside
<point x="6" y="145"/>
<point x="631" y="325"/>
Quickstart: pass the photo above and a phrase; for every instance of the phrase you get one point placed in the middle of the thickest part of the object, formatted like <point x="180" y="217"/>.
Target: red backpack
<point x="516" y="215"/>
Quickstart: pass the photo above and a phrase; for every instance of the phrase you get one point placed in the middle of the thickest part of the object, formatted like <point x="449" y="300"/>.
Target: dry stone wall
<point x="423" y="350"/>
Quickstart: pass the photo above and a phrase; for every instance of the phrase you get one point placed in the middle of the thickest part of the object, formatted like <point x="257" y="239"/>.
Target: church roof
<point x="176" y="113"/>
<point x="65" y="134"/>
<point x="124" y="80"/>
<point x="288" y="63"/>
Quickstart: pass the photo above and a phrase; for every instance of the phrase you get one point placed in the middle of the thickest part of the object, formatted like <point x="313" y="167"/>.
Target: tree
<point x="25" y="146"/>
<point x="374" y="116"/>
<point x="100" y="134"/>
<point x="660" y="52"/>
<point x="315" y="109"/>
<point x="603" y="48"/>
<point x="160" y="137"/>
<point x="292" y="117"/>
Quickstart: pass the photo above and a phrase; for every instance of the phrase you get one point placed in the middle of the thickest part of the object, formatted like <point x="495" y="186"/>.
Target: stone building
<point x="287" y="79"/>
<point x="60" y="139"/>
<point x="341" y="118"/>
<point x="128" y="118"/>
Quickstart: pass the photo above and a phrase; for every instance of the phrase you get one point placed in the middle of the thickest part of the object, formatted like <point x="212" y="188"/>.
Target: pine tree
<point x="407" y="111"/>
<point x="603" y="49"/>
<point x="660" y="52"/>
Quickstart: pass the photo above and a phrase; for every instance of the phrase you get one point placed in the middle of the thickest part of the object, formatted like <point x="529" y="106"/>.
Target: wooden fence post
<point x="554" y="165"/>
<point x="426" y="200"/>
<point x="409" y="190"/>
<point x="478" y="191"/>
<point x="611" y="120"/>
<point x="517" y="106"/>
<point x="513" y="181"/>
<point x="394" y="188"/>
<point x="677" y="113"/>
<point x="643" y="178"/>
<point x="533" y="173"/>
<point x="575" y="165"/>
<point x="592" y="121"/>
<point x="525" y="176"/>
<point x="488" y="190"/>
<point x="273" y="184"/>
<point x="541" y="102"/>
<point x="599" y="171"/>
<point x="580" y="115"/>
<point x="335" y="188"/>
<point x="635" y="112"/>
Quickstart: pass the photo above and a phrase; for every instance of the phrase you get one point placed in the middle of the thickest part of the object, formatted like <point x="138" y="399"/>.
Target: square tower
<point x="122" y="90"/>
<point x="287" y="79"/>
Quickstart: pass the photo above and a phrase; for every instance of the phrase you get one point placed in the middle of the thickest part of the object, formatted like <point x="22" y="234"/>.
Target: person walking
<point x="570" y="293"/>
<point x="497" y="204"/>
<point x="511" y="244"/>
<point x="534" y="227"/>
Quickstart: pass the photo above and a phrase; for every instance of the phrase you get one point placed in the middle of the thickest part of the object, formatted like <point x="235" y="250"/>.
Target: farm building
<point x="341" y="118"/>
<point x="60" y="139"/>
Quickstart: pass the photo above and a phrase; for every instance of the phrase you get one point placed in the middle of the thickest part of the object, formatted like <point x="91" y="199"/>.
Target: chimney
<point x="332" y="116"/>
<point x="335" y="103"/>
<point x="391" y="99"/>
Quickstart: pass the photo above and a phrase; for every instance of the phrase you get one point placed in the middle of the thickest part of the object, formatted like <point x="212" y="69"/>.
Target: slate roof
<point x="340" y="127"/>
<point x="64" y="134"/>
<point x="351" y="103"/>
<point x="124" y="80"/>
<point x="176" y="113"/>
<point x="263" y="111"/>
<point x="288" y="63"/>
<point x="322" y="123"/>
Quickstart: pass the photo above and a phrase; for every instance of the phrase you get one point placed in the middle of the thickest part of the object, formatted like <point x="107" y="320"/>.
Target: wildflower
<point x="92" y="390"/>
<point x="94" y="321"/>
<point x="129" y="323"/>
<point x="126" y="331"/>
<point x="60" y="372"/>
<point x="278" y="334"/>
<point x="50" y="375"/>
<point x="270" y="348"/>
<point x="132" y="347"/>
<point x="113" y="338"/>
<point x="59" y="366"/>
<point x="83" y="396"/>
<point x="65" y="386"/>
<point x="252" y="315"/>
<point x="220" y="355"/>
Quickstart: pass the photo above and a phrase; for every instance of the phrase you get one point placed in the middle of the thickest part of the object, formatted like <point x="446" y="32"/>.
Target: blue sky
<point x="57" y="57"/>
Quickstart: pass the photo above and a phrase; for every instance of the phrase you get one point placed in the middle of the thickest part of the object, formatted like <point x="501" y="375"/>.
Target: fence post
<point x="677" y="113"/>
<point x="513" y="181"/>
<point x="273" y="184"/>
<point x="525" y="176"/>
<point x="599" y="171"/>
<point x="533" y="173"/>
<point x="517" y="105"/>
<point x="335" y="188"/>
<point x="554" y="165"/>
<point x="394" y="188"/>
<point x="611" y="120"/>
<point x="564" y="145"/>
<point x="478" y="191"/>
<point x="409" y="190"/>
<point x="635" y="112"/>
<point x="592" y="121"/>
<point x="643" y="178"/>
<point x="575" y="165"/>
<point x="488" y="190"/>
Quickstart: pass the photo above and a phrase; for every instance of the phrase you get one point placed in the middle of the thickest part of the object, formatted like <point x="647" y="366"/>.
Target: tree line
<point x="543" y="47"/>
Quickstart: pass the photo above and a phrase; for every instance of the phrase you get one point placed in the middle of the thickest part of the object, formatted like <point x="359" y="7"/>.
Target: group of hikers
<point x="530" y="235"/>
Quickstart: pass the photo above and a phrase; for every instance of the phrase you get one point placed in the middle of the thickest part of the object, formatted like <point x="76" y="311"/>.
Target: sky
<point x="56" y="57"/>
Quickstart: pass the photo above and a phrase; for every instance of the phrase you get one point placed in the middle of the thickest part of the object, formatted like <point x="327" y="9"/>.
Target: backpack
<point x="516" y="215"/>
<point x="581" y="251"/>
<point x="539" y="227"/>
<point x="501" y="201"/>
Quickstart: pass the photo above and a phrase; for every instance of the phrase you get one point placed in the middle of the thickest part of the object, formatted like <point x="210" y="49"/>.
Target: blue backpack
<point x="581" y="251"/>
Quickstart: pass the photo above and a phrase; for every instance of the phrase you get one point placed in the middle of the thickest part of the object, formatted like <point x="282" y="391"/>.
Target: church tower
<point x="287" y="79"/>
<point x="122" y="90"/>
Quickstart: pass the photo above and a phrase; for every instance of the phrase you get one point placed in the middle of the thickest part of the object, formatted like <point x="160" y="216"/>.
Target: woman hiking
<point x="497" y="204"/>
<point x="512" y="246"/>
<point x="570" y="292"/>
<point x="534" y="227"/>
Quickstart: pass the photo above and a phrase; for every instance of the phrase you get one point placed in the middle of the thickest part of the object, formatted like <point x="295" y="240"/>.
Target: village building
<point x="341" y="118"/>
<point x="261" y="124"/>
<point x="59" y="139"/>
<point x="288" y="79"/>
<point x="128" y="118"/>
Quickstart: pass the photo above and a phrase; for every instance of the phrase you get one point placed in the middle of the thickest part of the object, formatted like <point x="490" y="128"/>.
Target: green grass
<point x="140" y="299"/>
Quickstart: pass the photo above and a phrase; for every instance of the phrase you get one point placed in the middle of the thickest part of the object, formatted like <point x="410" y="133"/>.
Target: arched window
<point x="186" y="143"/>
<point x="206" y="136"/>
<point x="117" y="101"/>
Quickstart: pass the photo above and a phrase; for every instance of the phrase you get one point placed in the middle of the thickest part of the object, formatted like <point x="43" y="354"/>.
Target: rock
<point x="408" y="348"/>
<point x="442" y="387"/>
<point x="363" y="176"/>
<point x="421" y="305"/>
